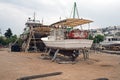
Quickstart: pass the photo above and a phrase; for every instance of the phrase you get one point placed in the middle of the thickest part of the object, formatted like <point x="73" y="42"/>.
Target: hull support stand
<point x="85" y="54"/>
<point x="56" y="52"/>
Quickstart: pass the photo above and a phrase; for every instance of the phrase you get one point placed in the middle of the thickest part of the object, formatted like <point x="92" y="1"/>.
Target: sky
<point x="14" y="13"/>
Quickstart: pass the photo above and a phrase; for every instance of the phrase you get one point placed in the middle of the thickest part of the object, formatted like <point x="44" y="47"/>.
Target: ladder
<point x="30" y="37"/>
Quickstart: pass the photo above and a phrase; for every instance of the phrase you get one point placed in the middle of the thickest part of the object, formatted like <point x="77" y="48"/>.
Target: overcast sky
<point x="14" y="13"/>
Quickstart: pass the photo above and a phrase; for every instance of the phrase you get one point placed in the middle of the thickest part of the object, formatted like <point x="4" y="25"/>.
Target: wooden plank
<point x="40" y="76"/>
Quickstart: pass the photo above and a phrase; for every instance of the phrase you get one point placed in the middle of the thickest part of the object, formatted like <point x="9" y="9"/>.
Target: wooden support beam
<point x="85" y="54"/>
<point x="49" y="51"/>
<point x="55" y="54"/>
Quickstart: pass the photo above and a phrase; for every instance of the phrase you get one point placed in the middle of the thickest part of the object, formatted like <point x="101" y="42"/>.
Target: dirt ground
<point x="14" y="65"/>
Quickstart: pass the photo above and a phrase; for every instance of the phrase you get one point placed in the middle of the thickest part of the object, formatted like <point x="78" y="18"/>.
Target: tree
<point x="90" y="37"/>
<point x="13" y="38"/>
<point x="98" y="39"/>
<point x="5" y="41"/>
<point x="8" y="33"/>
<point x="2" y="40"/>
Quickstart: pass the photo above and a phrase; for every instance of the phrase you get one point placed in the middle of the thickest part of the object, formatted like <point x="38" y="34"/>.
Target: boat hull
<point x="110" y="43"/>
<point x="68" y="43"/>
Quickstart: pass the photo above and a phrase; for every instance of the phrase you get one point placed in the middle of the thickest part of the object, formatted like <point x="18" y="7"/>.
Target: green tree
<point x="2" y="40"/>
<point x="7" y="38"/>
<point x="98" y="39"/>
<point x="90" y="37"/>
<point x="13" y="38"/>
<point x="8" y="33"/>
<point x="20" y="41"/>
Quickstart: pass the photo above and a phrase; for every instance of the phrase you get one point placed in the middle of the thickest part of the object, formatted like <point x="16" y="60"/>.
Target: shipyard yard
<point x="56" y="43"/>
<point x="15" y="65"/>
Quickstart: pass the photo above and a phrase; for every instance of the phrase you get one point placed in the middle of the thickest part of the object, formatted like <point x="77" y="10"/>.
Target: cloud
<point x="14" y="13"/>
<point x="11" y="17"/>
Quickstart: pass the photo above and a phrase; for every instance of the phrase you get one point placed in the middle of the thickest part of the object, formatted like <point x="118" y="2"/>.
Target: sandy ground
<point x="14" y="65"/>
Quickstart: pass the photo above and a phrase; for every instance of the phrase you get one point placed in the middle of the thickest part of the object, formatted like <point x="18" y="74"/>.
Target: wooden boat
<point x="35" y="26"/>
<point x="68" y="42"/>
<point x="57" y="38"/>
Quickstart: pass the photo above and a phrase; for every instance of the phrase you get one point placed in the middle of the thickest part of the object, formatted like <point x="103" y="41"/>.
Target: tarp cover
<point x="71" y="22"/>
